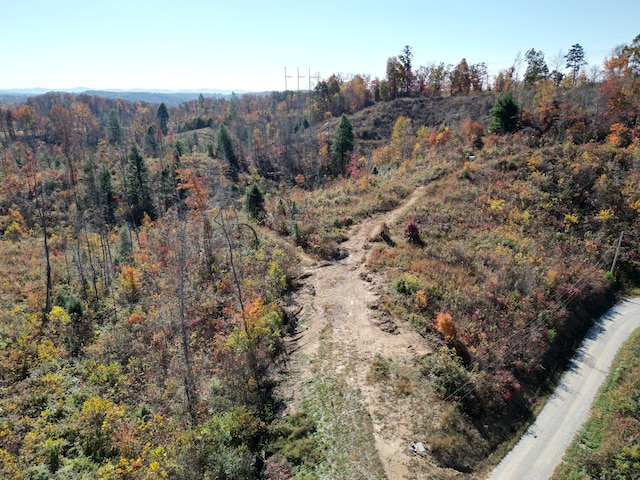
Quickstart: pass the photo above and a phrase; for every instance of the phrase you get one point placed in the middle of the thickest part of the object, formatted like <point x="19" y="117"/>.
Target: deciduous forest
<point x="151" y="261"/>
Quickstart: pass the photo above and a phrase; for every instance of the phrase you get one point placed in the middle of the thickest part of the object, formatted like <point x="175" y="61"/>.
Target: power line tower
<point x="285" y="79"/>
<point x="310" y="99"/>
<point x="299" y="125"/>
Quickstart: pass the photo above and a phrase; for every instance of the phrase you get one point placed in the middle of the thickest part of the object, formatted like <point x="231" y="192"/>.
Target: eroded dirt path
<point x="337" y="318"/>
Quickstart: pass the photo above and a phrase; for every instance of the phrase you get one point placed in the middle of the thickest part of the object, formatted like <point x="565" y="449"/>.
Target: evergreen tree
<point x="632" y="53"/>
<point x="342" y="145"/>
<point x="406" y="73"/>
<point x="138" y="194"/>
<point x="115" y="131"/>
<point x="107" y="193"/>
<point x="575" y="61"/>
<point x="536" y="67"/>
<point x="200" y="104"/>
<point x="504" y="114"/>
<point x="151" y="141"/>
<point x="254" y="202"/>
<point x="99" y="195"/>
<point x="225" y="151"/>
<point x="163" y="118"/>
<point x="168" y="187"/>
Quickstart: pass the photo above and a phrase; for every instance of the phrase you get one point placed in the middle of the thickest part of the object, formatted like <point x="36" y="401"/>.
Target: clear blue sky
<point x="246" y="44"/>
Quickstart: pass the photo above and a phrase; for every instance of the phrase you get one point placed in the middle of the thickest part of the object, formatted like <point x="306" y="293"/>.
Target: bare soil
<point x="342" y="334"/>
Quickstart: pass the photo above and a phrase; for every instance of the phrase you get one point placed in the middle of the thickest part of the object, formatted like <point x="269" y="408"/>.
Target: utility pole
<point x="615" y="258"/>
<point x="299" y="109"/>
<point x="317" y="78"/>
<point x="285" y="79"/>
<point x="286" y="114"/>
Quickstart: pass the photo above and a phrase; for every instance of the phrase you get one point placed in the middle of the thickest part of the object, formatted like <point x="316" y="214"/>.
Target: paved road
<point x="542" y="447"/>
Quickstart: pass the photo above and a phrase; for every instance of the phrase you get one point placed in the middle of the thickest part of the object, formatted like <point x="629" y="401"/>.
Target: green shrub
<point x="406" y="284"/>
<point x="445" y="371"/>
<point x="295" y="440"/>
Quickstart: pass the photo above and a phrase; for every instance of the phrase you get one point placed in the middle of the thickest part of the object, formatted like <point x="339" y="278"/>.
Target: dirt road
<point x="542" y="447"/>
<point x="338" y="318"/>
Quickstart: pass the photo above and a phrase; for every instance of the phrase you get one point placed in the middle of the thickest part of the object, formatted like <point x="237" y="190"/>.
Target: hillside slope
<point x="152" y="256"/>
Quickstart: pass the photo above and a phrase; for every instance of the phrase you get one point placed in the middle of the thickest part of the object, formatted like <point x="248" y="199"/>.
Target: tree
<point x="504" y="114"/>
<point x="151" y="141"/>
<point x="401" y="138"/>
<point x="115" y="131"/>
<point x="139" y="199"/>
<point x="200" y="104"/>
<point x="477" y="75"/>
<point x="437" y="77"/>
<point x="632" y="52"/>
<point x="163" y="118"/>
<point x="254" y="202"/>
<point x="556" y="77"/>
<point x="394" y="78"/>
<point x="26" y="116"/>
<point x="168" y="187"/>
<point x="62" y="126"/>
<point x="405" y="70"/>
<point x="225" y="151"/>
<point x="107" y="195"/>
<point x="575" y="61"/>
<point x="620" y="87"/>
<point x="505" y="80"/>
<point x="40" y="204"/>
<point x="461" y="79"/>
<point x="536" y="67"/>
<point x="355" y="95"/>
<point x="342" y="145"/>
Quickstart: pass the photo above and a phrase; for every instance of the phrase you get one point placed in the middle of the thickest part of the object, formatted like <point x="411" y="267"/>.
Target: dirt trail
<point x="336" y="298"/>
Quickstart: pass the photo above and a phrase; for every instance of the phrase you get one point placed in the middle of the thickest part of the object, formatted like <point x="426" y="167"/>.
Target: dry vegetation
<point x="249" y="301"/>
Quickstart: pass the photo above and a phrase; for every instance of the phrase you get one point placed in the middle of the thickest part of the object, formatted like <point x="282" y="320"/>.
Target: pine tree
<point x="342" y="145"/>
<point x="168" y="187"/>
<point x="254" y="202"/>
<point x="406" y="73"/>
<point x="107" y="195"/>
<point x="138" y="196"/>
<point x="151" y="141"/>
<point x="504" y="114"/>
<point x="115" y="131"/>
<point x="575" y="61"/>
<point x="225" y="151"/>
<point x="163" y="118"/>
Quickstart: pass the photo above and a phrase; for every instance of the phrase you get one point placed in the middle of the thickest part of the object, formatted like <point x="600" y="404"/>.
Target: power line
<point x="564" y="300"/>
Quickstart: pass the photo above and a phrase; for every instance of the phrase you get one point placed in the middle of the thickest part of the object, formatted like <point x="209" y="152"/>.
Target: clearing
<point x="339" y="339"/>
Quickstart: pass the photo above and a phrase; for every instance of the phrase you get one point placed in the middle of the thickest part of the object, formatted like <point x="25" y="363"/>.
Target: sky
<point x="246" y="45"/>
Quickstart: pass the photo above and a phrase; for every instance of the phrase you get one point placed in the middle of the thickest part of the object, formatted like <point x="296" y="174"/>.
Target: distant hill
<point x="169" y="97"/>
<point x="12" y="97"/>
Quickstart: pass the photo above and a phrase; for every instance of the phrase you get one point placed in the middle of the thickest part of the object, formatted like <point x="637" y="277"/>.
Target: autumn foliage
<point x="143" y="342"/>
<point x="446" y="326"/>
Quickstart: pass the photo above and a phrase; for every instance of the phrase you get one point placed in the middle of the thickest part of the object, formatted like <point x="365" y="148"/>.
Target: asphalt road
<point x="542" y="447"/>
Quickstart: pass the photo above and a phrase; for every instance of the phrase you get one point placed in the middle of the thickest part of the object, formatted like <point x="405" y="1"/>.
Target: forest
<point x="151" y="261"/>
